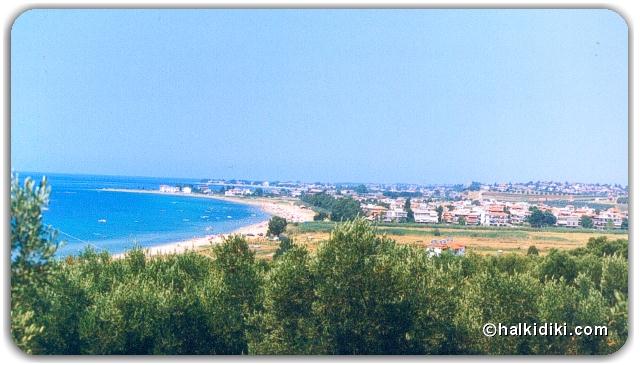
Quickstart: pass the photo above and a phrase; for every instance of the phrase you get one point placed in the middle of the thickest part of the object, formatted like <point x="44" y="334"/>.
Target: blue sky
<point x="420" y="96"/>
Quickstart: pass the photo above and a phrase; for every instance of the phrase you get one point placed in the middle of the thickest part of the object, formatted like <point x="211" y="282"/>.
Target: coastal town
<point x="572" y="205"/>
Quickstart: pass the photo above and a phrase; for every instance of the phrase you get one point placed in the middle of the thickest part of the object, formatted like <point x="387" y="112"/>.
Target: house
<point x="608" y="219"/>
<point x="437" y="247"/>
<point x="424" y="215"/>
<point x="169" y="189"/>
<point x="472" y="219"/>
<point x="375" y="212"/>
<point x="396" y="214"/>
<point x="237" y="192"/>
<point x="495" y="215"/>
<point x="186" y="189"/>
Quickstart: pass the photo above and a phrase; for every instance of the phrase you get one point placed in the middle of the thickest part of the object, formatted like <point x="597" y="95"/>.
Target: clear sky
<point x="418" y="96"/>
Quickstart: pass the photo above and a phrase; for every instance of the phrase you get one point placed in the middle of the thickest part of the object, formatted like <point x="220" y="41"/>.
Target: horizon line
<point x="45" y="173"/>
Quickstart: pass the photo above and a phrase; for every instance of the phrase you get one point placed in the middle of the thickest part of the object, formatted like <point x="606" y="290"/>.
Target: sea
<point x="87" y="215"/>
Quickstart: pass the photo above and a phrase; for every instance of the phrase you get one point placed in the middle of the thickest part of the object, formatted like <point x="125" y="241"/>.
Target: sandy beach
<point x="273" y="206"/>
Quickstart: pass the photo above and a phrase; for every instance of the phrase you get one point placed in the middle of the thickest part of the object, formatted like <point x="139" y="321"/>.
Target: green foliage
<point x="32" y="243"/>
<point x="236" y="263"/>
<point x="475" y="186"/>
<point x="345" y="209"/>
<point x="533" y="250"/>
<point x="319" y="200"/>
<point x="358" y="293"/>
<point x="402" y="194"/>
<point x="320" y="216"/>
<point x="277" y="225"/>
<point x="439" y="210"/>
<point x="614" y="278"/>
<point x="32" y="248"/>
<point x="602" y="246"/>
<point x="285" y="245"/>
<point x="407" y="207"/>
<point x="286" y="324"/>
<point x="586" y="221"/>
<point x="558" y="264"/>
<point x="361" y="189"/>
<point x="499" y="298"/>
<point x="340" y="210"/>
<point x="539" y="218"/>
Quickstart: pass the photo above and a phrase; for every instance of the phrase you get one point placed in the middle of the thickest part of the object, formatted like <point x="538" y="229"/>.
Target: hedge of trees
<point x="358" y="293"/>
<point x="338" y="210"/>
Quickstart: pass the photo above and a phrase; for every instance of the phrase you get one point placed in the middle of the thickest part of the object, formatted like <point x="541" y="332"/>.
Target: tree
<point x="462" y="220"/>
<point x="240" y="280"/>
<point x="286" y="325"/>
<point x="320" y="200"/>
<point x="558" y="264"/>
<point x="602" y="246"/>
<point x="475" y="186"/>
<point x="625" y="223"/>
<point x="540" y="219"/>
<point x="439" y="209"/>
<point x="285" y="245"/>
<point x="33" y="246"/>
<point x="407" y="207"/>
<point x="361" y="189"/>
<point x="277" y="225"/>
<point x="501" y="298"/>
<point x="320" y="216"/>
<point x="586" y="221"/>
<point x="533" y="250"/>
<point x="344" y="209"/>
<point x="359" y="292"/>
<point x="362" y="306"/>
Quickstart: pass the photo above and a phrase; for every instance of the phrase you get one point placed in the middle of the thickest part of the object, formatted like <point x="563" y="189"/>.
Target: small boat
<point x="102" y="220"/>
<point x="229" y="217"/>
<point x="204" y="216"/>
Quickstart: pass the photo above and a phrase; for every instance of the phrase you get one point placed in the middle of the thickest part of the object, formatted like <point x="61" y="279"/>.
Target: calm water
<point x="117" y="221"/>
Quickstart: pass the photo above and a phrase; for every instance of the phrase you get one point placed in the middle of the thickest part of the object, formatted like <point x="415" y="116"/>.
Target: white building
<point x="237" y="192"/>
<point x="169" y="189"/>
<point x="421" y="215"/>
<point x="395" y="214"/>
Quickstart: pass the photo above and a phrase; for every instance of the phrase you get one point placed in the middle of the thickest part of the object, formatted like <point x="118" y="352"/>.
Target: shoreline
<point x="192" y="244"/>
<point x="273" y="207"/>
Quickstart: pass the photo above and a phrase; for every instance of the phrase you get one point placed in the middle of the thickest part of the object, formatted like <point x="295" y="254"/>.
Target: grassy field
<point x="484" y="240"/>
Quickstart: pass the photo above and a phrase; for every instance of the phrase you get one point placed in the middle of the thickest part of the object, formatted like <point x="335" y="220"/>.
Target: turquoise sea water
<point x="86" y="215"/>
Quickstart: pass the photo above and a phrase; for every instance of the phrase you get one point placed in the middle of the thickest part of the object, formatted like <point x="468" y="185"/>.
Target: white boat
<point x="102" y="220"/>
